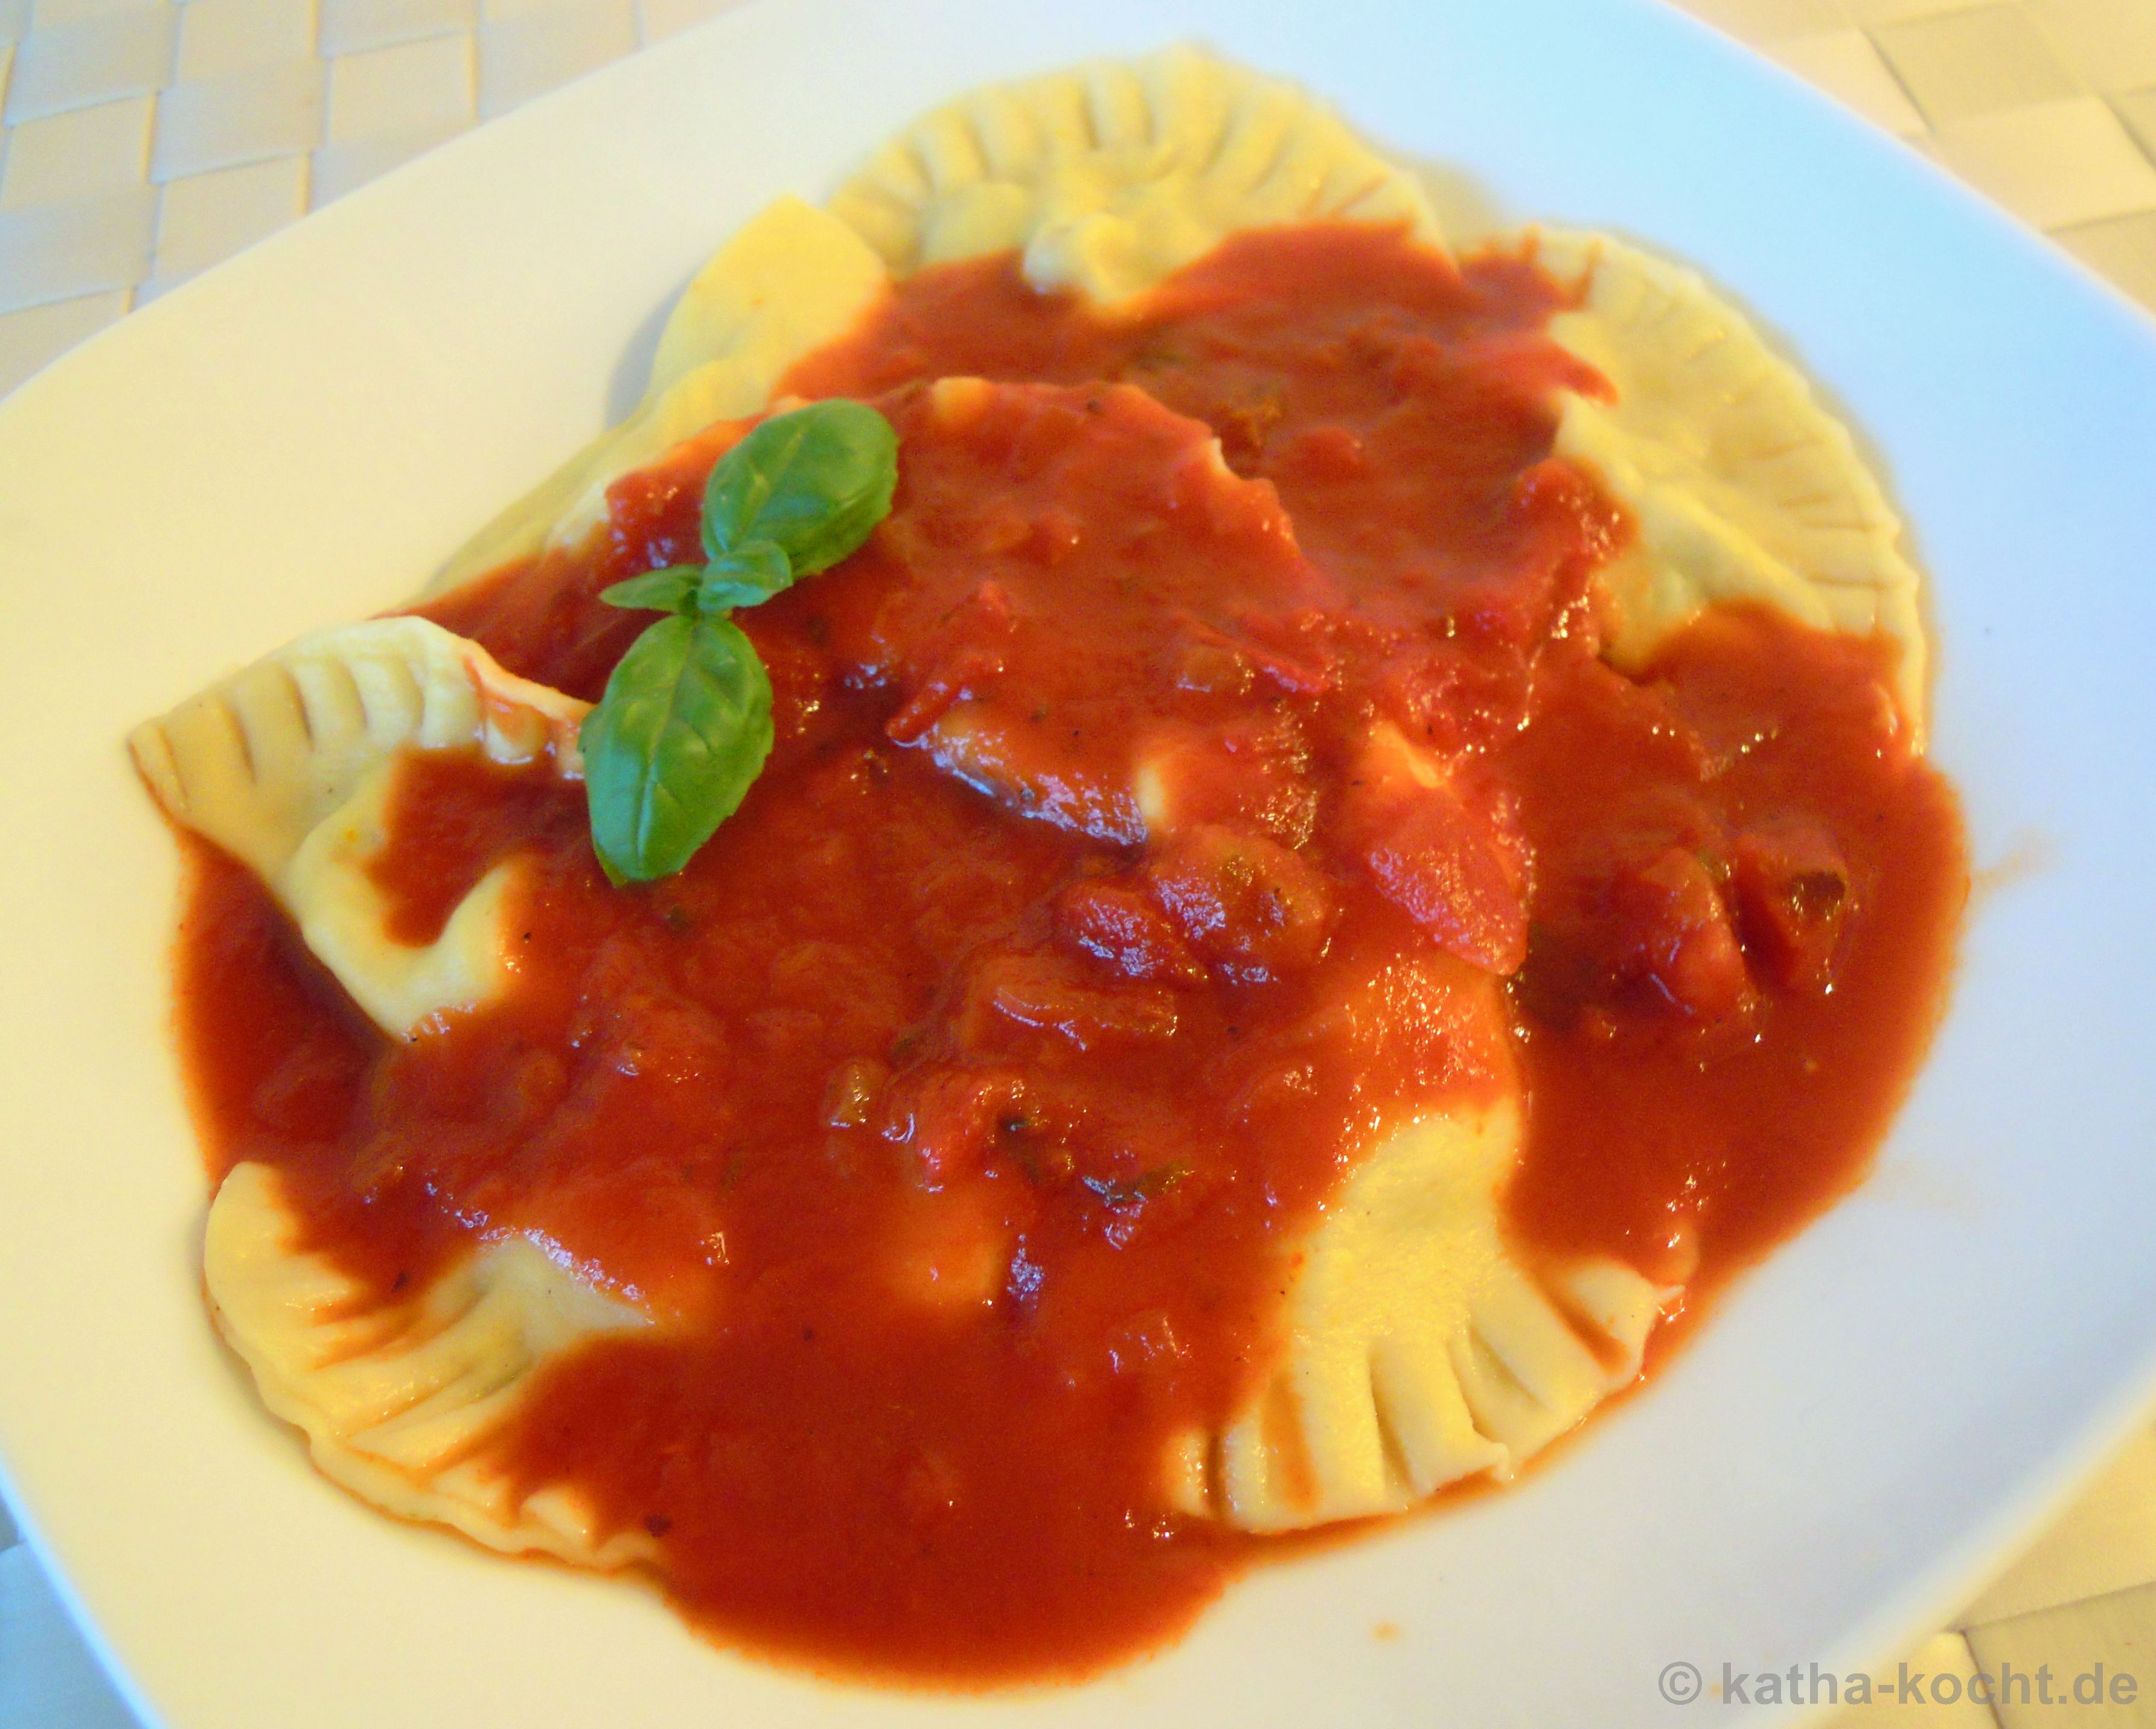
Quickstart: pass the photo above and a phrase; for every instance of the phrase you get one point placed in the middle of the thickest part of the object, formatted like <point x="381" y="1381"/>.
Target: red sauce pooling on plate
<point x="960" y="1109"/>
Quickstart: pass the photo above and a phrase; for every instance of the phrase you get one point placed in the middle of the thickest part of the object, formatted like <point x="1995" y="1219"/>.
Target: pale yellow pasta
<point x="288" y="765"/>
<point x="1421" y="1348"/>
<point x="1740" y="486"/>
<point x="790" y="281"/>
<point x="400" y="1399"/>
<point x="1111" y="177"/>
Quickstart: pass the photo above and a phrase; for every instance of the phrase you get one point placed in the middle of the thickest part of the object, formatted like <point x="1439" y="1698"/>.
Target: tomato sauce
<point x="1150" y="822"/>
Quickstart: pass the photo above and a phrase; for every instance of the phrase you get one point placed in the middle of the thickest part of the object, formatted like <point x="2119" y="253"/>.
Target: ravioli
<point x="1422" y="1336"/>
<point x="792" y="279"/>
<point x="1421" y="1350"/>
<point x="399" y="1399"/>
<point x="288" y="767"/>
<point x="1108" y="179"/>
<point x="1741" y="486"/>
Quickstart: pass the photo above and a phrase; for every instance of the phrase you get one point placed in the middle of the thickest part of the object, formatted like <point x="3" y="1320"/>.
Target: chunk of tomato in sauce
<point x="1793" y="897"/>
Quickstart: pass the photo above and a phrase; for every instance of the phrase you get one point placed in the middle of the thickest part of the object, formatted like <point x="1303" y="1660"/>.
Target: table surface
<point x="143" y="141"/>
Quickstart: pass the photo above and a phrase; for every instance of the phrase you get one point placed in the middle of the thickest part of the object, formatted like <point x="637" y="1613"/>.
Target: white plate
<point x="297" y="440"/>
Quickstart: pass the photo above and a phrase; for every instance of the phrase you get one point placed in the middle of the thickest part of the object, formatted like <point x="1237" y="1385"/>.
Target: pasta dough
<point x="1420" y="1347"/>
<point x="288" y="766"/>
<point x="397" y="1400"/>
<point x="793" y="279"/>
<point x="1110" y="178"/>
<point x="1741" y="486"/>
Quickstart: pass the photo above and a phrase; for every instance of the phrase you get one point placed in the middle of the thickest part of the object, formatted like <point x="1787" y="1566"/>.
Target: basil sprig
<point x="685" y="727"/>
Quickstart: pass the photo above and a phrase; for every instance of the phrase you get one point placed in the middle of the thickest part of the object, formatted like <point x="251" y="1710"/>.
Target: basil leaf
<point x="672" y="590"/>
<point x="747" y="577"/>
<point x="685" y="725"/>
<point x="814" y="482"/>
<point x="674" y="745"/>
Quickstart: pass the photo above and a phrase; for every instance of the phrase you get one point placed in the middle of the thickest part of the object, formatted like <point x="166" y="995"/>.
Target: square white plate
<point x="299" y="437"/>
